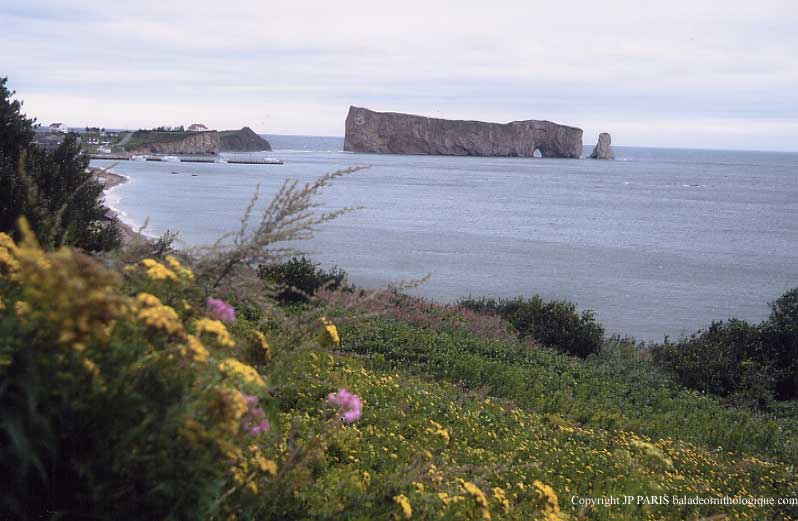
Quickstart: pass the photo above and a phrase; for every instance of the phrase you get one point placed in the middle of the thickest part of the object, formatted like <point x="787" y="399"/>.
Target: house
<point x="59" y="127"/>
<point x="197" y="127"/>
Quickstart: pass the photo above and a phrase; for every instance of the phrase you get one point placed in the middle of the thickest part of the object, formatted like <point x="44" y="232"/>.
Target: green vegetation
<point x="142" y="138"/>
<point x="553" y="323"/>
<point x="134" y="400"/>
<point x="53" y="190"/>
<point x="749" y="364"/>
<point x="615" y="390"/>
<point x="298" y="279"/>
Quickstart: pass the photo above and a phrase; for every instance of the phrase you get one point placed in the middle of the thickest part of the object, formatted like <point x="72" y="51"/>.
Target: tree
<point x="53" y="190"/>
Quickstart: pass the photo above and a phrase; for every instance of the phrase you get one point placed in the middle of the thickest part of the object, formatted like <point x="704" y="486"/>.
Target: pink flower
<point x="349" y="405"/>
<point x="221" y="310"/>
<point x="254" y="420"/>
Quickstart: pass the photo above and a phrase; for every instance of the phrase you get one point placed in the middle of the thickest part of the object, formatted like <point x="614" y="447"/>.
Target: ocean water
<point x="658" y="242"/>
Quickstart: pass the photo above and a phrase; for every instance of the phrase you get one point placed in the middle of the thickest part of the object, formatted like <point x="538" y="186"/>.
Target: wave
<point x="112" y="199"/>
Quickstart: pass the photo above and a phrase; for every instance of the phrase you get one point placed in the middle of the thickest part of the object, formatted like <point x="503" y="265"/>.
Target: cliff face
<point x="212" y="142"/>
<point x="395" y="133"/>
<point x="175" y="143"/>
<point x="244" y="140"/>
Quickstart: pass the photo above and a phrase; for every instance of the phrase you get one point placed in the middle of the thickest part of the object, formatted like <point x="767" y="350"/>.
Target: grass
<point x="399" y="447"/>
<point x="139" y="138"/>
<point x="612" y="391"/>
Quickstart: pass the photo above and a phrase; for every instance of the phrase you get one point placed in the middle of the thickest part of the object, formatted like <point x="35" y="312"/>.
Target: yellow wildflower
<point x="231" y="406"/>
<point x="233" y="368"/>
<point x="148" y="300"/>
<point x="418" y="486"/>
<point x="551" y="506"/>
<point x="181" y="270"/>
<point x="404" y="503"/>
<point x="91" y="367"/>
<point x="217" y="329"/>
<point x="163" y="318"/>
<point x="157" y="271"/>
<point x="478" y="496"/>
<point x="501" y="499"/>
<point x="194" y="350"/>
<point x="260" y="338"/>
<point x="8" y="262"/>
<point x="653" y="452"/>
<point x="329" y="333"/>
<point x="21" y="309"/>
<point x="262" y="463"/>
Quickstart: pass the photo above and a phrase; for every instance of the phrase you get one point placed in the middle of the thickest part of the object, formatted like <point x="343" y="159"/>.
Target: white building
<point x="197" y="127"/>
<point x="59" y="127"/>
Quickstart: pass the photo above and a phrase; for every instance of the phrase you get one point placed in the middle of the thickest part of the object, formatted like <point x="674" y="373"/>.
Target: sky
<point x="675" y="73"/>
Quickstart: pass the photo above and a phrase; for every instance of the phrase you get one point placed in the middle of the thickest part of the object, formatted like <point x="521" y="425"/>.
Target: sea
<point x="659" y="242"/>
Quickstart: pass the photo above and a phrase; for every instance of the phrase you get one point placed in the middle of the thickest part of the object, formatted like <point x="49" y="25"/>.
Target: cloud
<point x="659" y="71"/>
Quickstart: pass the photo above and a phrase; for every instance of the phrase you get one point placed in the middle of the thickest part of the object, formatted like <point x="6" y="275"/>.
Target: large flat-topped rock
<point x="396" y="133"/>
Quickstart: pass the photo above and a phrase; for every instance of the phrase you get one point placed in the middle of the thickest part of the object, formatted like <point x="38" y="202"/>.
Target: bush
<point x="724" y="359"/>
<point x="553" y="323"/>
<point x="128" y="398"/>
<point x="300" y="278"/>
<point x="749" y="364"/>
<point x="780" y="336"/>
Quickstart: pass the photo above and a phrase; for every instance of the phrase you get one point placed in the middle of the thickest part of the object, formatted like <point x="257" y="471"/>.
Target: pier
<point x="162" y="159"/>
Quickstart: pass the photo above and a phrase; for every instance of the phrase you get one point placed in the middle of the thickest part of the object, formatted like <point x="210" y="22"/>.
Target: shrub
<point x="749" y="364"/>
<point x="300" y="278"/>
<point x="724" y="359"/>
<point x="123" y="399"/>
<point x="780" y="336"/>
<point x="553" y="323"/>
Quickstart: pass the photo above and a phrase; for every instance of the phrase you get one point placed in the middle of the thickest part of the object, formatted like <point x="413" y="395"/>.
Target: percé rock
<point x="244" y="140"/>
<point x="603" y="150"/>
<point x="395" y="133"/>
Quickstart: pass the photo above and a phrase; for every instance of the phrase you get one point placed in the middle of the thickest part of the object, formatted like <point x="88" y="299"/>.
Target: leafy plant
<point x="554" y="323"/>
<point x="299" y="278"/>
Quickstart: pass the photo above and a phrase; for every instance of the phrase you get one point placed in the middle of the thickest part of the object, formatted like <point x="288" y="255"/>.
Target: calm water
<point x="658" y="242"/>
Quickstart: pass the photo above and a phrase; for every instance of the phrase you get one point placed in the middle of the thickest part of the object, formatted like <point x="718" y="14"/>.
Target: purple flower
<point x="254" y="420"/>
<point x="350" y="406"/>
<point x="221" y="310"/>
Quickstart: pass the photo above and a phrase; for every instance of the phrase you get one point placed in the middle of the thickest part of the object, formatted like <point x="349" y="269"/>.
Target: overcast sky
<point x="681" y="73"/>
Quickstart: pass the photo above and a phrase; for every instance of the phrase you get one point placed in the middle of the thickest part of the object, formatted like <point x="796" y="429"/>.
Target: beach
<point x="109" y="180"/>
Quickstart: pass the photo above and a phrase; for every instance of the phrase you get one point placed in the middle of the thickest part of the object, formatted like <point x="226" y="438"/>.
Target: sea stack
<point x="603" y="150"/>
<point x="396" y="133"/>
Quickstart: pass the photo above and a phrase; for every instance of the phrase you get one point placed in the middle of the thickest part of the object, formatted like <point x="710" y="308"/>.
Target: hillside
<point x="244" y="140"/>
<point x="212" y="142"/>
<point x="148" y="383"/>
